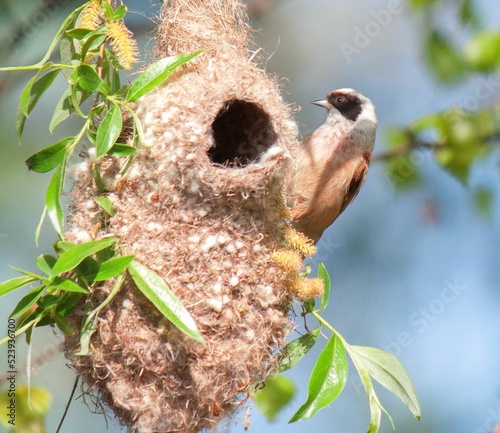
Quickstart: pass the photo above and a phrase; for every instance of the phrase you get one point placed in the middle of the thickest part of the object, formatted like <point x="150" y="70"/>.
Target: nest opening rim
<point x="242" y="131"/>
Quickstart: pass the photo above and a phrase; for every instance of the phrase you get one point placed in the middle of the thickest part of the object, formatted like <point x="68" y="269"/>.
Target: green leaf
<point x="15" y="283"/>
<point x="105" y="204"/>
<point x="61" y="246"/>
<point x="39" y="226"/>
<point x="87" y="269"/>
<point x="276" y="394"/>
<point x="88" y="321"/>
<point x="86" y="332"/>
<point x="27" y="302"/>
<point x="67" y="53"/>
<point x="53" y="200"/>
<point x="70" y="19"/>
<point x="68" y="303"/>
<point x="105" y="254"/>
<point x="386" y="369"/>
<point x="67" y="285"/>
<point x="119" y="12"/>
<point x="78" y="33"/>
<point x="375" y="415"/>
<point x="468" y="14"/>
<point x="327" y="380"/>
<point x="113" y="267"/>
<point x="294" y="351"/>
<point x="31" y="96"/>
<point x="62" y="111"/>
<point x="109" y="130"/>
<point x="121" y="150"/>
<point x="49" y="157"/>
<point x="46" y="303"/>
<point x="29" y="274"/>
<point x="94" y="41"/>
<point x="323" y="274"/>
<point x="108" y="11"/>
<point x="402" y="172"/>
<point x="70" y="258"/>
<point x="64" y="324"/>
<point x="20" y="330"/>
<point x="157" y="291"/>
<point x="483" y="51"/>
<point x="309" y="305"/>
<point x="20" y="122"/>
<point x="45" y="263"/>
<point x="375" y="406"/>
<point x="87" y="78"/>
<point x="444" y="58"/>
<point x="156" y="74"/>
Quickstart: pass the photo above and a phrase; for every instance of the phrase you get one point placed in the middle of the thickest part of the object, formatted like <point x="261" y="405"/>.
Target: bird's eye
<point x="340" y="100"/>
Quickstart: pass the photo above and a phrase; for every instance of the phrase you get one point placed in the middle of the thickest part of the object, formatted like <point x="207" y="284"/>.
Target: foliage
<point x="94" y="45"/>
<point x="329" y="374"/>
<point x="460" y="136"/>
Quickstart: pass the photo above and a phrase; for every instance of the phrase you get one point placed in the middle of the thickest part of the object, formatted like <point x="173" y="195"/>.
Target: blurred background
<point x="414" y="261"/>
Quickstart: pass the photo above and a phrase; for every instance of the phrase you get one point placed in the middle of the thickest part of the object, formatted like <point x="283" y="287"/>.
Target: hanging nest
<point x="202" y="207"/>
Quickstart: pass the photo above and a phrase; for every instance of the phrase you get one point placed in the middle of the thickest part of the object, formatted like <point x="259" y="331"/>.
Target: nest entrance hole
<point x="242" y="131"/>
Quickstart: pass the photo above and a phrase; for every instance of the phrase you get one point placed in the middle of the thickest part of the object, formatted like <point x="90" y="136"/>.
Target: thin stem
<point x="37" y="67"/>
<point x="418" y="143"/>
<point x="59" y="33"/>
<point x="138" y="125"/>
<point x="331" y="328"/>
<point x="71" y="395"/>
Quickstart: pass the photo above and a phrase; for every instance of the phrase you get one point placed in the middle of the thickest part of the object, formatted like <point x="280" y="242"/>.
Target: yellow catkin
<point x="305" y="288"/>
<point x="287" y="260"/>
<point x="299" y="242"/>
<point x="90" y="18"/>
<point x="123" y="43"/>
<point x="285" y="211"/>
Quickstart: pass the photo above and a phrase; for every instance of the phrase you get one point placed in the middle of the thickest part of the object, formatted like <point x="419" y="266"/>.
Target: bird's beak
<point x="322" y="103"/>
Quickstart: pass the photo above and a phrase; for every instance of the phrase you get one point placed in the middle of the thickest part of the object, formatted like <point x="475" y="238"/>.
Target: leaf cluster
<point x="70" y="276"/>
<point x="329" y="375"/>
<point x="89" y="60"/>
<point x="95" y="93"/>
<point x="458" y="137"/>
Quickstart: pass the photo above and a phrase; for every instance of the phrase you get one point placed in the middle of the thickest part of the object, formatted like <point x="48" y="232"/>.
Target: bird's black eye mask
<point x="348" y="105"/>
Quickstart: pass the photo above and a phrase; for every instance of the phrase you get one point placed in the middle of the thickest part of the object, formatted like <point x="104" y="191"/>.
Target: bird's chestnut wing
<point x="357" y="181"/>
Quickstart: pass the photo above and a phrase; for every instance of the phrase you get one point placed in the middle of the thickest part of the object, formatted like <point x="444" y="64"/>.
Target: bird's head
<point x="350" y="104"/>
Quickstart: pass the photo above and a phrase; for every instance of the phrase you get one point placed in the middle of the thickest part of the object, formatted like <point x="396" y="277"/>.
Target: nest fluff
<point x="201" y="207"/>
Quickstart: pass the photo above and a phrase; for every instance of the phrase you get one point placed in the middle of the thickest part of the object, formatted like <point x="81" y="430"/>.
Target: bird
<point x="332" y="162"/>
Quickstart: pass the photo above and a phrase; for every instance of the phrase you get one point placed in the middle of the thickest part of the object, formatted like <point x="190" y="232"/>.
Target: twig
<point x="68" y="404"/>
<point x="403" y="150"/>
<point x="418" y="143"/>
